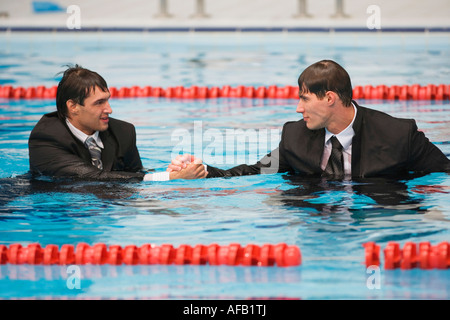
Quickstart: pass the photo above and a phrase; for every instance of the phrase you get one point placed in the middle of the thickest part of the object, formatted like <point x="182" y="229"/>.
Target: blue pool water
<point x="328" y="221"/>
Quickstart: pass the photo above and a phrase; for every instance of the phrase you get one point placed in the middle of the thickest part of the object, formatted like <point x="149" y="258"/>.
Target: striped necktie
<point x="335" y="165"/>
<point x="96" y="152"/>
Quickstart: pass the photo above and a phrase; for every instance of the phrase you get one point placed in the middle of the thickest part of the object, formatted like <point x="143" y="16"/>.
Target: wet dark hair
<point x="76" y="84"/>
<point x="326" y="75"/>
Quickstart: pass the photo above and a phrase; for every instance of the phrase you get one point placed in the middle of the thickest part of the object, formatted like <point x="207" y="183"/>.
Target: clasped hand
<point x="186" y="166"/>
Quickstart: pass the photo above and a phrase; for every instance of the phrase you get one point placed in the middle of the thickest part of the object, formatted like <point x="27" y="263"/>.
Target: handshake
<point x="187" y="166"/>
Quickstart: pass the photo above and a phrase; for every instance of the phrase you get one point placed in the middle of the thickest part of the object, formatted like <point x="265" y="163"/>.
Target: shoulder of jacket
<point x="384" y="118"/>
<point x="298" y="125"/>
<point x="49" y="122"/>
<point x="292" y="124"/>
<point x="116" y="123"/>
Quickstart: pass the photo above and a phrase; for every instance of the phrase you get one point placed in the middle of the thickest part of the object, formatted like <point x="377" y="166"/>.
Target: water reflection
<point x="104" y="193"/>
<point x="334" y="196"/>
<point x="148" y="281"/>
<point x="214" y="282"/>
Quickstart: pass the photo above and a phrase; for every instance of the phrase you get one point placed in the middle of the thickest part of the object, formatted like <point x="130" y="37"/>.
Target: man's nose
<point x="300" y="108"/>
<point x="108" y="108"/>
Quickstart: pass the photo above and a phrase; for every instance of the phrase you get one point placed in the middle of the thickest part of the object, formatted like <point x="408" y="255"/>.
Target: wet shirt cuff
<point x="158" y="176"/>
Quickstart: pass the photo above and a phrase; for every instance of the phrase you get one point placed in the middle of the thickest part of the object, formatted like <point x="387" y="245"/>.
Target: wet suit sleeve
<point x="424" y="156"/>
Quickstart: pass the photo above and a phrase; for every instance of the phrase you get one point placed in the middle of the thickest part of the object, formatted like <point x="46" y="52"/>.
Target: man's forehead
<point x="97" y="93"/>
<point x="304" y="93"/>
<point x="303" y="89"/>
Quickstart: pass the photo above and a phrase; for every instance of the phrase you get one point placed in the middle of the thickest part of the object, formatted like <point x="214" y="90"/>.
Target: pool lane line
<point x="370" y="92"/>
<point x="280" y="255"/>
<point x="423" y="255"/>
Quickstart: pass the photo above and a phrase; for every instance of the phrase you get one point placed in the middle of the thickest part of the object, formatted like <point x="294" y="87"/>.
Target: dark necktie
<point x="335" y="165"/>
<point x="96" y="152"/>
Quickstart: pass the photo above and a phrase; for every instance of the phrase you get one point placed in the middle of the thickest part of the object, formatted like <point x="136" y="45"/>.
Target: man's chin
<point x="103" y="128"/>
<point x="310" y="127"/>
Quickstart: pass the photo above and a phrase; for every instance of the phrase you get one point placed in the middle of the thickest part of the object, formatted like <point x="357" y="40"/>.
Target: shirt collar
<point x="80" y="135"/>
<point x="345" y="137"/>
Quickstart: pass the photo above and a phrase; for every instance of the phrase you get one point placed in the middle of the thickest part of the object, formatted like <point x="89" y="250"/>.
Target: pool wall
<point x="233" y="15"/>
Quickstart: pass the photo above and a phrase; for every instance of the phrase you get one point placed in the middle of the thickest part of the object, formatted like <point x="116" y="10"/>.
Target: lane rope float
<point x="394" y="92"/>
<point x="281" y="255"/>
<point x="423" y="255"/>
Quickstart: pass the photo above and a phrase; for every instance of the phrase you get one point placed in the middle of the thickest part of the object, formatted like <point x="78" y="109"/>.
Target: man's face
<point x="94" y="115"/>
<point x="316" y="112"/>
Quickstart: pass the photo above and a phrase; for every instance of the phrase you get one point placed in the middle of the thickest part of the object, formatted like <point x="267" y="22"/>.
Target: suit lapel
<point x="78" y="146"/>
<point x="108" y="151"/>
<point x="316" y="145"/>
<point x="356" y="142"/>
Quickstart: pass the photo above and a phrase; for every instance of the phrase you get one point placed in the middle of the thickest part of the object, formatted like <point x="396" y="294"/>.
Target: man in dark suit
<point x="338" y="138"/>
<point x="81" y="140"/>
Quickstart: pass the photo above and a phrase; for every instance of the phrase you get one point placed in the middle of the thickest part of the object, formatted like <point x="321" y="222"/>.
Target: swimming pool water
<point x="216" y="59"/>
<point x="328" y="221"/>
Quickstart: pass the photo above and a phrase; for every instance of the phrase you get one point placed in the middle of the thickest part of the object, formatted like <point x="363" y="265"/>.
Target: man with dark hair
<point x="338" y="138"/>
<point x="81" y="140"/>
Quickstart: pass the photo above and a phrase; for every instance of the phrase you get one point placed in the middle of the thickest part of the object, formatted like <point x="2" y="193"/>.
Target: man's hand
<point x="191" y="171"/>
<point x="182" y="161"/>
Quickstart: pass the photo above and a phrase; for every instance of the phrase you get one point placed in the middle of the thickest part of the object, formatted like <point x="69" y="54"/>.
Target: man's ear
<point x="331" y="97"/>
<point x="72" y="107"/>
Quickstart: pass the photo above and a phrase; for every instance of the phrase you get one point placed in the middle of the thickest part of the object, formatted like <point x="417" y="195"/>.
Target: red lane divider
<point x="281" y="254"/>
<point x="405" y="92"/>
<point x="422" y="255"/>
<point x="40" y="92"/>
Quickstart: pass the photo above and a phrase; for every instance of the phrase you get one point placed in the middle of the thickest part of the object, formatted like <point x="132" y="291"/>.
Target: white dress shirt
<point x="345" y="138"/>
<point x="80" y="135"/>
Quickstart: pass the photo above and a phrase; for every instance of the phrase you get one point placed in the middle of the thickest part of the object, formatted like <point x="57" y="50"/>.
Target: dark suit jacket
<point x="54" y="151"/>
<point x="382" y="145"/>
